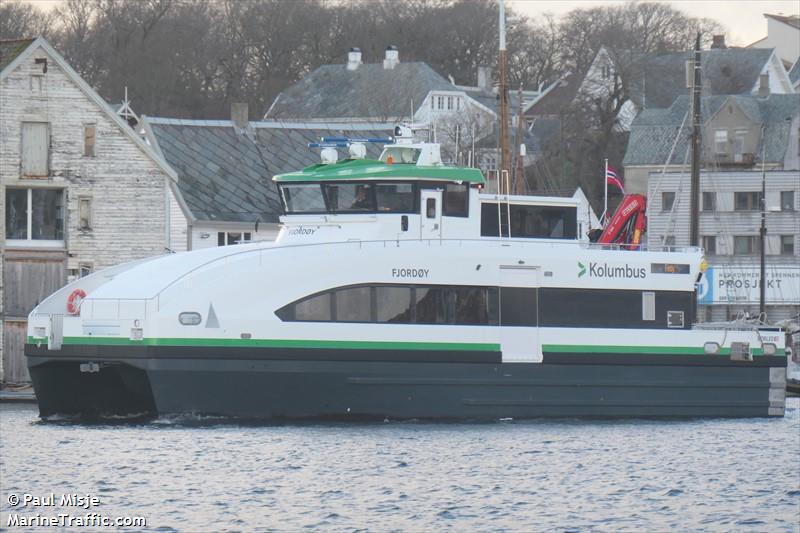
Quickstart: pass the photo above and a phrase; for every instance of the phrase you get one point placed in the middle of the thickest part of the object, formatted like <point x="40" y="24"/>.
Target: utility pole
<point x="505" y="159"/>
<point x="694" y="229"/>
<point x="763" y="232"/>
<point x="519" y="172"/>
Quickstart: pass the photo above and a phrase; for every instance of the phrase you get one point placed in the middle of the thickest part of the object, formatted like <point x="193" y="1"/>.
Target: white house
<point x="80" y="190"/>
<point x="783" y="34"/>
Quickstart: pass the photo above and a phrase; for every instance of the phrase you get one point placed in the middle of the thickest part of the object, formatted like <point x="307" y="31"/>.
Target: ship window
<point x="353" y="304"/>
<point x="350" y="197"/>
<point x="315" y="308"/>
<point x="393" y="304"/>
<point x="456" y="200"/>
<point x="395" y="197"/>
<point x="303" y="198"/>
<point x="430" y="208"/>
<point x="473" y="305"/>
<point x="648" y="305"/>
<point x="430" y="305"/>
<point x="530" y="221"/>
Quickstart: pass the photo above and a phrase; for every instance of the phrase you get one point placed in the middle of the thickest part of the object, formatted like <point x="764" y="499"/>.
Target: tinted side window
<point x="315" y="308"/>
<point x="353" y="304"/>
<point x="393" y="304"/>
<point x="430" y="305"/>
<point x="395" y="197"/>
<point x="470" y="305"/>
<point x="456" y="200"/>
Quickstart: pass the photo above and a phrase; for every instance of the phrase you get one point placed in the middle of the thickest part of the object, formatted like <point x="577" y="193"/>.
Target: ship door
<point x="431" y="214"/>
<point x="519" y="314"/>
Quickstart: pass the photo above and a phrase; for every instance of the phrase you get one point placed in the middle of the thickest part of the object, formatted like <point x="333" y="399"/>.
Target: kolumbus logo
<point x="604" y="270"/>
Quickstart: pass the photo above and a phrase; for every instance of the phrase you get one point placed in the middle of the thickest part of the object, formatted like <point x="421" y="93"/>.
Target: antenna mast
<point x="505" y="159"/>
<point x="694" y="229"/>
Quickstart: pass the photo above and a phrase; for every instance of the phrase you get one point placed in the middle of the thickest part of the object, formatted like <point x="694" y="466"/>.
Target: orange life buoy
<point x="74" y="301"/>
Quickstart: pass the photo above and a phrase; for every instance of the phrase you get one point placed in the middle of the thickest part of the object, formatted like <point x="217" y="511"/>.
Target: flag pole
<point x="605" y="193"/>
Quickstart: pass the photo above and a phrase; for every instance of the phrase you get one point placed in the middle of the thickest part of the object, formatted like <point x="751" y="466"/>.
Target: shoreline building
<point x="745" y="138"/>
<point x="80" y="190"/>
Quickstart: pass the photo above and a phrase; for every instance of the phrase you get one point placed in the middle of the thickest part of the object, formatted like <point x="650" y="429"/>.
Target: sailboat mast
<point x="694" y="229"/>
<point x="505" y="159"/>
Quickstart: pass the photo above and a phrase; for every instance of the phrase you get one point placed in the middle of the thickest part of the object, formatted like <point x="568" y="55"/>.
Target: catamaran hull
<point x="324" y="384"/>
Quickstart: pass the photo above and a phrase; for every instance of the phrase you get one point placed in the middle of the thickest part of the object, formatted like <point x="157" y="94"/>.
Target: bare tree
<point x="21" y="20"/>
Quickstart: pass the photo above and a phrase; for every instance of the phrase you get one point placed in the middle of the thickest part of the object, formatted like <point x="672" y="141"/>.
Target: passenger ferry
<point x="398" y="289"/>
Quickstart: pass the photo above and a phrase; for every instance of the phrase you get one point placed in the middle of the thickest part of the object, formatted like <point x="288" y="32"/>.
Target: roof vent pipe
<point x="353" y="58"/>
<point x="763" y="85"/>
<point x="392" y="58"/>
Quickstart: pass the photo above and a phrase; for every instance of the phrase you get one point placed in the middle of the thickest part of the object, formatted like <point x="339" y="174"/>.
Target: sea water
<point x="189" y="474"/>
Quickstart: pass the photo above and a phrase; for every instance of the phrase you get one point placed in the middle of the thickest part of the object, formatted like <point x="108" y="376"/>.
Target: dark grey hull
<point x="274" y="388"/>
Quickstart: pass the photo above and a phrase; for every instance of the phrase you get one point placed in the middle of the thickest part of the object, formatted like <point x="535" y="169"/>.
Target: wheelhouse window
<point x="35" y="216"/>
<point x="395" y="197"/>
<point x="530" y="221"/>
<point x="303" y="198"/>
<point x="456" y="200"/>
<point x="349" y="197"/>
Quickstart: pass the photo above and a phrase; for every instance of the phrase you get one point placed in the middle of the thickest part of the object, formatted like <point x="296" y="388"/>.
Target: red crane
<point x="628" y="223"/>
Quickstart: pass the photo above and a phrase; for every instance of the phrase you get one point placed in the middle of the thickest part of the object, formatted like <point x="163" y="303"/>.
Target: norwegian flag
<point x="613" y="179"/>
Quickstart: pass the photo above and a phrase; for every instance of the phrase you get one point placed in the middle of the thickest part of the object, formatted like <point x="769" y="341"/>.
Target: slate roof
<point x="10" y="49"/>
<point x="657" y="80"/>
<point x="653" y="132"/>
<point x="369" y="92"/>
<point x="794" y="73"/>
<point x="558" y="98"/>
<point x="225" y="173"/>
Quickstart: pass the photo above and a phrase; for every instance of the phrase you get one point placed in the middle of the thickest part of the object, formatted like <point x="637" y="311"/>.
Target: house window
<point x="440" y="102"/>
<point x="738" y="145"/>
<point x="747" y="201"/>
<point x="787" y="200"/>
<point x="226" y="238"/>
<point x="36" y="83"/>
<point x="745" y="244"/>
<point x="84" y="269"/>
<point x="88" y="139"/>
<point x="35" y="149"/>
<point x="667" y="200"/>
<point x="787" y="244"/>
<point x="709" y="201"/>
<point x="721" y="142"/>
<point x="35" y="215"/>
<point x="710" y="244"/>
<point x="433" y="102"/>
<point x="449" y="103"/>
<point x="84" y="213"/>
<point x="458" y="103"/>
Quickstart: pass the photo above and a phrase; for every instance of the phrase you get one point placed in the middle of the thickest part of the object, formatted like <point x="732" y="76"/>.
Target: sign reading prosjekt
<point x="741" y="284"/>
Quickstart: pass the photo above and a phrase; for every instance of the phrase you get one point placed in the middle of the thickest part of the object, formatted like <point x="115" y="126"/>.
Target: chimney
<point x="763" y="85"/>
<point x="239" y="115"/>
<point x="484" y="78"/>
<point x="718" y="43"/>
<point x="392" y="58"/>
<point x="353" y="58"/>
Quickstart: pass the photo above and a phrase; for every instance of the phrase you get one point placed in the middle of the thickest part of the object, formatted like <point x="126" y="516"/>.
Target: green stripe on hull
<point x="653" y="350"/>
<point x="284" y="343"/>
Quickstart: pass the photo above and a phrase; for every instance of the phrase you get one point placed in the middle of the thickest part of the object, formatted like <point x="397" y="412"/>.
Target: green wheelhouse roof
<point x="367" y="169"/>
